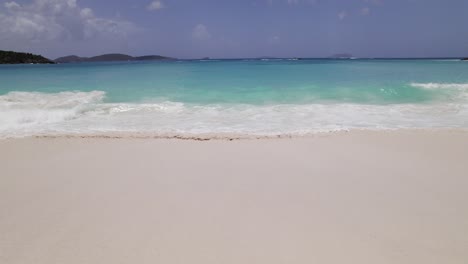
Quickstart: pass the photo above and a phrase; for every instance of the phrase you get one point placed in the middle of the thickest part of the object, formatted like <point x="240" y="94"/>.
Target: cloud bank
<point x="56" y="21"/>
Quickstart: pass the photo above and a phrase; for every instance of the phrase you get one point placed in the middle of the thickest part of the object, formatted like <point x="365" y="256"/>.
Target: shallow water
<point x="261" y="97"/>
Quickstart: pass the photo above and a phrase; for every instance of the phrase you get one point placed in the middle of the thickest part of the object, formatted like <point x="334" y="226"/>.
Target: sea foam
<point x="34" y="113"/>
<point x="461" y="86"/>
<point x="28" y="111"/>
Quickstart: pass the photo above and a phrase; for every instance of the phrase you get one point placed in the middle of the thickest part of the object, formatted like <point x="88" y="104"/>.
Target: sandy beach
<point x="356" y="197"/>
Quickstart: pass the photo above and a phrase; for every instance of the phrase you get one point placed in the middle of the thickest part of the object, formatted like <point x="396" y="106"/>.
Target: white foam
<point x="26" y="111"/>
<point x="460" y="86"/>
<point x="26" y="114"/>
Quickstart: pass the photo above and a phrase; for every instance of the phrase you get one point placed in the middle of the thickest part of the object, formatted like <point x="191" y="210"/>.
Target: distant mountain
<point x="71" y="58"/>
<point x="11" y="57"/>
<point x="109" y="57"/>
<point x="464" y="59"/>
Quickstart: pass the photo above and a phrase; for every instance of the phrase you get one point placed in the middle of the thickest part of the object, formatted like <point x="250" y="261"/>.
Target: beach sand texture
<point x="357" y="197"/>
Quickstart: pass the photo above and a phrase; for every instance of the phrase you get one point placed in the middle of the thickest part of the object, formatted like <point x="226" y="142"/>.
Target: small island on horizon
<point x="12" y="57"/>
<point x="110" y="57"/>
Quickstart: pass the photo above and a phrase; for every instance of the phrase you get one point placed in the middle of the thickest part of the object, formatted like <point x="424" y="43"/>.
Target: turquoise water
<point x="233" y="96"/>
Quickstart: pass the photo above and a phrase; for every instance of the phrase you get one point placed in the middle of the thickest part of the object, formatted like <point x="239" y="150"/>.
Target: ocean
<point x="268" y="97"/>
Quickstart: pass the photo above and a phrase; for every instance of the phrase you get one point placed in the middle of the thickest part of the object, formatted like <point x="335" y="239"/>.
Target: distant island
<point x="11" y="57"/>
<point x="110" y="57"/>
<point x="464" y="59"/>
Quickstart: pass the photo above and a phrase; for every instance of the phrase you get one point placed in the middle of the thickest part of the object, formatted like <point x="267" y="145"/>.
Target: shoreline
<point x="233" y="136"/>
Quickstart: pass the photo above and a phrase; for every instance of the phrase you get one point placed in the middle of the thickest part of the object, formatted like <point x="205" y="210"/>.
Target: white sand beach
<point x="356" y="197"/>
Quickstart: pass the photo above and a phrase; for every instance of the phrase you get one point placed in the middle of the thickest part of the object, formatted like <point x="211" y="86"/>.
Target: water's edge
<point x="237" y="137"/>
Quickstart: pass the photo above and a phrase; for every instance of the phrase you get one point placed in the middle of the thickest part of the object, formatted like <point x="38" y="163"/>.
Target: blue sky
<point x="232" y="29"/>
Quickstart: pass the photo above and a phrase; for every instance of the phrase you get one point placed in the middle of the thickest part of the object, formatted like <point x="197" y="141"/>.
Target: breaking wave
<point x="34" y="113"/>
<point x="460" y="86"/>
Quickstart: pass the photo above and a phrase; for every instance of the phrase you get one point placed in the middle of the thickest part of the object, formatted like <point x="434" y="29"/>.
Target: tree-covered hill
<point x="11" y="57"/>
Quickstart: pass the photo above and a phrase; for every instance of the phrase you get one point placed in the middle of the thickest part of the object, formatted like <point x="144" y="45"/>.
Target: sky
<point x="236" y="28"/>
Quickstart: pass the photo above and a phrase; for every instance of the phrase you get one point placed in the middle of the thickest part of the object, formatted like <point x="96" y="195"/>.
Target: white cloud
<point x="365" y="11"/>
<point x="51" y="20"/>
<point x="342" y="15"/>
<point x="11" y="6"/>
<point x="200" y="32"/>
<point x="155" y="5"/>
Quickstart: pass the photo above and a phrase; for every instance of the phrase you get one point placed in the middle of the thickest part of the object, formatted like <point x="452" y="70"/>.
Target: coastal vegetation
<point x="11" y="57"/>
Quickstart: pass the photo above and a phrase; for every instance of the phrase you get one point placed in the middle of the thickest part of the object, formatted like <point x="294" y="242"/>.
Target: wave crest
<point x="51" y="100"/>
<point x="460" y="86"/>
<point x="33" y="113"/>
<point x="26" y="112"/>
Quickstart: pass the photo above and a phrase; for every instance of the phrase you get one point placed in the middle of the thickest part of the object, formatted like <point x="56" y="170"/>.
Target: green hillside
<point x="11" y="57"/>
